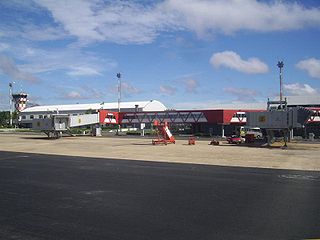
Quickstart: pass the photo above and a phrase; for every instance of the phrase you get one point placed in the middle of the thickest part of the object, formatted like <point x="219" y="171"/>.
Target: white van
<point x="251" y="130"/>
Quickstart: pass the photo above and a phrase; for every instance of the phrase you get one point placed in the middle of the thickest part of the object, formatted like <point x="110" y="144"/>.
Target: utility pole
<point x="10" y="102"/>
<point x="280" y="66"/>
<point x="119" y="99"/>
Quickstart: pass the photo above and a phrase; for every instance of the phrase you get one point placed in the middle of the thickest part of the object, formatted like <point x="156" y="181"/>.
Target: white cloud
<point x="311" y="65"/>
<point x="82" y="71"/>
<point x="9" y="67"/>
<point x="229" y="16"/>
<point x="42" y="33"/>
<point x="73" y="95"/>
<point x="232" y="60"/>
<point x="30" y="31"/>
<point x="242" y="94"/>
<point x="115" y="21"/>
<point x="94" y="93"/>
<point x="80" y="92"/>
<point x="190" y="85"/>
<point x="298" y="89"/>
<point x="128" y="89"/>
<point x="167" y="90"/>
<point x="132" y="22"/>
<point x="75" y="62"/>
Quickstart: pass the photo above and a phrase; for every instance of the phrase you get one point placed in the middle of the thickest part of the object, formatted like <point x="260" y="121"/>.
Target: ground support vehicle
<point x="256" y="131"/>
<point x="163" y="133"/>
<point x="234" y="139"/>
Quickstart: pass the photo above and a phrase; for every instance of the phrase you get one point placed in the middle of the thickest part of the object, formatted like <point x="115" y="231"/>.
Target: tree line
<point x="5" y="118"/>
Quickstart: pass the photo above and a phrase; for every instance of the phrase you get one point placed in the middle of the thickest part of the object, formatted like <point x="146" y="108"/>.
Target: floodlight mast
<point x="119" y="98"/>
<point x="119" y="90"/>
<point x="10" y="102"/>
<point x="280" y="66"/>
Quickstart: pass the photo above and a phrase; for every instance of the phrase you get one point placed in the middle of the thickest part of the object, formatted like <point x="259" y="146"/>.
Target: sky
<point x="188" y="54"/>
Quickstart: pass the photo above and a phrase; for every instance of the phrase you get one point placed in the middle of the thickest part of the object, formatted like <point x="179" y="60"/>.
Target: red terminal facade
<point x="225" y="117"/>
<point x="215" y="122"/>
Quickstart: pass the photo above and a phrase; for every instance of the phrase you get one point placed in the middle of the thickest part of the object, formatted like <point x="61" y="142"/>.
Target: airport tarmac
<point x="49" y="197"/>
<point x="298" y="156"/>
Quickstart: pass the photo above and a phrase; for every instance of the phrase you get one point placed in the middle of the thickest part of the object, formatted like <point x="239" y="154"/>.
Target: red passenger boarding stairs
<point x="164" y="134"/>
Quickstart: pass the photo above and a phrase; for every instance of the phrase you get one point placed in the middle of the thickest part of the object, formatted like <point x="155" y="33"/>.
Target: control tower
<point x="20" y="101"/>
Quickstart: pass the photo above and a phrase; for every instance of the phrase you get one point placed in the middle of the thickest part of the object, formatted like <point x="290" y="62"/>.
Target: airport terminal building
<point x="222" y="120"/>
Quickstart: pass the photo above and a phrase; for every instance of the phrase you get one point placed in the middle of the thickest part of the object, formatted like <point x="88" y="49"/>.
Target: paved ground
<point x="299" y="156"/>
<point x="60" y="197"/>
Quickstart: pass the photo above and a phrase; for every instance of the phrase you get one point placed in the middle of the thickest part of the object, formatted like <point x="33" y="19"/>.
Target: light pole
<point x="280" y="66"/>
<point x="10" y="102"/>
<point x="119" y="99"/>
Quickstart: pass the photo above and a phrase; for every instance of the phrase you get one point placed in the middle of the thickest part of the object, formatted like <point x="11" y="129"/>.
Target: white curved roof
<point x="152" y="105"/>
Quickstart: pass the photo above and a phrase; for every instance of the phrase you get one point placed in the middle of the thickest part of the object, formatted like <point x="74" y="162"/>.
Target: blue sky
<point x="184" y="53"/>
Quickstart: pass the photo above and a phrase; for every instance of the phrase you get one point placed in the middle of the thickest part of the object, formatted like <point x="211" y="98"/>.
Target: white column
<point x="222" y="131"/>
<point x="291" y="134"/>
